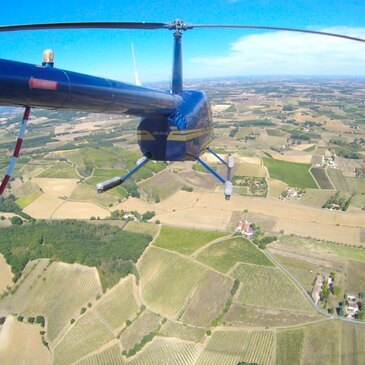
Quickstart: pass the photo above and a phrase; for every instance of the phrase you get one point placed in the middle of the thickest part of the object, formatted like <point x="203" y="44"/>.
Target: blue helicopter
<point x="175" y="125"/>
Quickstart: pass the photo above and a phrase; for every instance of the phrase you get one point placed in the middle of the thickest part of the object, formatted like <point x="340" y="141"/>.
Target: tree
<point x="148" y="215"/>
<point x="16" y="221"/>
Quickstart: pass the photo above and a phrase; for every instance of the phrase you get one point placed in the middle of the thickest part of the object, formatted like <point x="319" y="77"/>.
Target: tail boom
<point x="52" y="88"/>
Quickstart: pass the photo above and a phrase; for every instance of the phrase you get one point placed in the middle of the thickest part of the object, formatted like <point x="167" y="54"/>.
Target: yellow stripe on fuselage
<point x="178" y="135"/>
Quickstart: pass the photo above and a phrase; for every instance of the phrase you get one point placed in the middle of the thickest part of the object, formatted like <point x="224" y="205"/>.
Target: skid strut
<point x="16" y="152"/>
<point x="118" y="180"/>
<point x="228" y="186"/>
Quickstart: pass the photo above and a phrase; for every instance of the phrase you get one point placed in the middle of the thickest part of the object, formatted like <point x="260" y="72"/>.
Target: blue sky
<point x="207" y="53"/>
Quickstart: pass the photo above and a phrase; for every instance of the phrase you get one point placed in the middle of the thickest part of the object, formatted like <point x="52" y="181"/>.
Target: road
<point x="309" y="298"/>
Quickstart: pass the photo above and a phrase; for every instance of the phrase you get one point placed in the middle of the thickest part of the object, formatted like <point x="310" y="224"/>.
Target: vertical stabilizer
<point x="136" y="77"/>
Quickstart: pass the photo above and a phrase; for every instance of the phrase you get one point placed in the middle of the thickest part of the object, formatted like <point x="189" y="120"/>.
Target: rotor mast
<point x="177" y="77"/>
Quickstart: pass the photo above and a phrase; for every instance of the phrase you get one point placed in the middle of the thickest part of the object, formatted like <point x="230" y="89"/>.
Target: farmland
<point x="42" y="297"/>
<point x="177" y="287"/>
<point x="15" y="335"/>
<point x="146" y="323"/>
<point x="118" y="305"/>
<point x="86" y="335"/>
<point x="111" y="355"/>
<point x="185" y="241"/>
<point x="291" y="173"/>
<point x="224" y="255"/>
<point x="24" y="201"/>
<point x="272" y="288"/>
<point x="182" y="331"/>
<point x="231" y="347"/>
<point x="163" y="351"/>
<point x="338" y="180"/>
<point x="321" y="178"/>
<point x="105" y="243"/>
<point x="289" y="346"/>
<point x="5" y="274"/>
<point x="168" y="280"/>
<point x="197" y="294"/>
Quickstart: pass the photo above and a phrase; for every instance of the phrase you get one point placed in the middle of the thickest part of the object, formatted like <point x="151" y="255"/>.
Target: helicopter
<point x="176" y="125"/>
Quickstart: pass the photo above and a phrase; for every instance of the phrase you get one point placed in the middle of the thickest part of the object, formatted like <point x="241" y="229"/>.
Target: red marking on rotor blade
<point x="42" y="84"/>
<point x="17" y="148"/>
<point x="4" y="183"/>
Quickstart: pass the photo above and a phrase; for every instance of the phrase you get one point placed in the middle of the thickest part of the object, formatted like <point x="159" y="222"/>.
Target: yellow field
<point x="302" y="147"/>
<point x="212" y="211"/>
<point x="252" y="160"/>
<point x="79" y="210"/>
<point x="249" y="169"/>
<point x="276" y="187"/>
<point x="349" y="235"/>
<point x="220" y="108"/>
<point x="198" y="217"/>
<point x="300" y="158"/>
<point x="5" y="274"/>
<point x="43" y="207"/>
<point x="21" y="343"/>
<point x="56" y="187"/>
<point x="336" y="126"/>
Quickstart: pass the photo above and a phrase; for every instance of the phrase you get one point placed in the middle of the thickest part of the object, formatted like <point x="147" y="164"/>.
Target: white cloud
<point x="286" y="53"/>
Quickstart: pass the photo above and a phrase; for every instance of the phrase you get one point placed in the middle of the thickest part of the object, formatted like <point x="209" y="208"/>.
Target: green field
<point x="185" y="241"/>
<point x="268" y="287"/>
<point x="289" y="346"/>
<point x="24" y="201"/>
<point x="321" y="178"/>
<point x="293" y="174"/>
<point x="223" y="255"/>
<point x="88" y="193"/>
<point x="142" y="227"/>
<point x="61" y="170"/>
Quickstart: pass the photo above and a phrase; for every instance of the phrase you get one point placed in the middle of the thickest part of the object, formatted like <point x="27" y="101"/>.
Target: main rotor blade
<point x="84" y="25"/>
<point x="276" y="28"/>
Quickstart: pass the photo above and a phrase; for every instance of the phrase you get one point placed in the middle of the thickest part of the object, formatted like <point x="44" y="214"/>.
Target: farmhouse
<point x="352" y="307"/>
<point x="244" y="228"/>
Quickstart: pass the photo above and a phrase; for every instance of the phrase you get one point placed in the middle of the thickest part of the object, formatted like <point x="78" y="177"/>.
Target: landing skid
<point x="116" y="181"/>
<point x="228" y="186"/>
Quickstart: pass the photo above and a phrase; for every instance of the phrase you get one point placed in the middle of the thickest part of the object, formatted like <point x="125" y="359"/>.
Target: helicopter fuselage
<point x="182" y="135"/>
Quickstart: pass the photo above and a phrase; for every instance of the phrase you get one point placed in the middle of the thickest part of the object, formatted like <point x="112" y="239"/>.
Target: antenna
<point x="136" y="77"/>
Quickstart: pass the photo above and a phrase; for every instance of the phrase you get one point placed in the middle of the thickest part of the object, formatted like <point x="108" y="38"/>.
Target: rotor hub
<point x="179" y="25"/>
